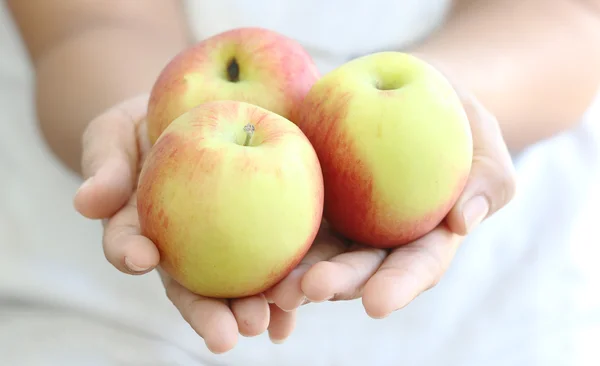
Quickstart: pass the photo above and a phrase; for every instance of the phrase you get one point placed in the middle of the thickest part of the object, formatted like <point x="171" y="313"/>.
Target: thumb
<point x="110" y="159"/>
<point x="491" y="184"/>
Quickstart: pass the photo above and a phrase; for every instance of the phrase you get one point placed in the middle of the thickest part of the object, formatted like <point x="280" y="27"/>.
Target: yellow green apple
<point x="394" y="143"/>
<point x="253" y="65"/>
<point x="232" y="196"/>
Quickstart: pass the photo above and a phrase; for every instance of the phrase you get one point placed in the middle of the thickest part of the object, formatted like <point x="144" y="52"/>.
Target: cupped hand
<point x="114" y="147"/>
<point x="387" y="280"/>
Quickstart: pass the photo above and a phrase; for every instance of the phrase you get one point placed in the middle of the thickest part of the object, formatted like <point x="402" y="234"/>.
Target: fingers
<point x="408" y="271"/>
<point x="219" y="325"/>
<point x="492" y="181"/>
<point x="110" y="159"/>
<point x="210" y="318"/>
<point x="343" y="276"/>
<point x="252" y="315"/>
<point x="124" y="246"/>
<point x="288" y="294"/>
<point x="282" y="324"/>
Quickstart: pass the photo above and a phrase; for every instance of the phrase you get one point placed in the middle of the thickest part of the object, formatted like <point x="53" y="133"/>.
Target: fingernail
<point x="295" y="306"/>
<point x="318" y="301"/>
<point x="276" y="341"/>
<point x="85" y="184"/>
<point x="134" y="267"/>
<point x="474" y="211"/>
<point x="269" y="296"/>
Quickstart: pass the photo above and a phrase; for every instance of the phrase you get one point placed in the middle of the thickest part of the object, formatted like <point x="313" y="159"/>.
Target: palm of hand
<point x="115" y="146"/>
<point x="386" y="280"/>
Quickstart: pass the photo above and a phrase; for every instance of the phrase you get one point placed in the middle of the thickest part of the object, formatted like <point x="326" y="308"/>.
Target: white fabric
<point x="522" y="290"/>
<point x="332" y="31"/>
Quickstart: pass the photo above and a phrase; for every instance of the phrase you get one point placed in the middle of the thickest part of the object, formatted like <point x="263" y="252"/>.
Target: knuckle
<point x="506" y="185"/>
<point x="107" y="239"/>
<point x="509" y="186"/>
<point x="110" y="244"/>
<point x="432" y="266"/>
<point x="499" y="176"/>
<point x="114" y="239"/>
<point x="435" y="280"/>
<point x="435" y="269"/>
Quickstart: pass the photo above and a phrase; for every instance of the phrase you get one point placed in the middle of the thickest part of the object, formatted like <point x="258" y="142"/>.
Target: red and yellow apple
<point x="251" y="65"/>
<point x="232" y="196"/>
<point x="394" y="143"/>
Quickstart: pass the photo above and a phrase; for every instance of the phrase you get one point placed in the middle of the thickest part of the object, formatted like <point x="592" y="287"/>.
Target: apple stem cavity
<point x="249" y="130"/>
<point x="233" y="71"/>
<point x="387" y="85"/>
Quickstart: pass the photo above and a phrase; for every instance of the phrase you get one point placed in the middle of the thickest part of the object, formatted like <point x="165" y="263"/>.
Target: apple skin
<point x="275" y="73"/>
<point x="394" y="143"/>
<point x="229" y="220"/>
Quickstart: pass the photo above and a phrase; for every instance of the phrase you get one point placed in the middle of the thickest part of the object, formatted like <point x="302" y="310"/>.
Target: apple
<point x="253" y="65"/>
<point x="394" y="143"/>
<point x="232" y="196"/>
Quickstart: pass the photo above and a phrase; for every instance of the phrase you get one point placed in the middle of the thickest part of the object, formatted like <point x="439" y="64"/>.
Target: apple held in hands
<point x="252" y="65"/>
<point x="232" y="196"/>
<point x="394" y="144"/>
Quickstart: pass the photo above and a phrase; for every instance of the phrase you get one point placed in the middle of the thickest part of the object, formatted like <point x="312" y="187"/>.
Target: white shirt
<point x="521" y="291"/>
<point x="332" y="31"/>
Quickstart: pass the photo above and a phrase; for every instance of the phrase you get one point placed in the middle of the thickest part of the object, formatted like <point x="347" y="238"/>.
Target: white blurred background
<point x="528" y="297"/>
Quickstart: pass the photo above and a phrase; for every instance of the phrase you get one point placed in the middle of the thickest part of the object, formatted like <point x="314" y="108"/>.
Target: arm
<point x="90" y="55"/>
<point x="532" y="63"/>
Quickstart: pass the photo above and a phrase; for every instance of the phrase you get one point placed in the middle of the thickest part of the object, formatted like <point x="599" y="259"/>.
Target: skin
<point x="90" y="48"/>
<point x="230" y="220"/>
<point x="68" y="35"/>
<point x="529" y="62"/>
<point x="271" y="71"/>
<point x="408" y="132"/>
<point x="136" y="39"/>
<point x="388" y="280"/>
<point x="113" y="169"/>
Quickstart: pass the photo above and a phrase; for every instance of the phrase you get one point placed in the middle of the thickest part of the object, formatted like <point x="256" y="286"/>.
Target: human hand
<point x="115" y="145"/>
<point x="387" y="280"/>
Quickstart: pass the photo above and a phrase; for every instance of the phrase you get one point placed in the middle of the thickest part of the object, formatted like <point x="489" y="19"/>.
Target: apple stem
<point x="249" y="129"/>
